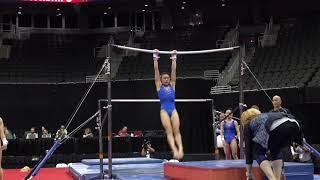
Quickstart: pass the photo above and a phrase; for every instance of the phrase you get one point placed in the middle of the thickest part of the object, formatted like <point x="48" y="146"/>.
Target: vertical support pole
<point x="214" y="127"/>
<point x="48" y="21"/>
<point x="241" y="97"/>
<point x="32" y="21"/>
<point x="108" y="74"/>
<point x="63" y="22"/>
<point x="99" y="121"/>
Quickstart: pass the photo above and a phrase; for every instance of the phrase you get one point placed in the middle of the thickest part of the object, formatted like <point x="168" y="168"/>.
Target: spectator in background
<point x="276" y="102"/>
<point x="123" y="132"/>
<point x="45" y="134"/>
<point x="300" y="153"/>
<point x="42" y="129"/>
<point x="147" y="149"/>
<point x="8" y="133"/>
<point x="87" y="133"/>
<point x="32" y="134"/>
<point x="62" y="132"/>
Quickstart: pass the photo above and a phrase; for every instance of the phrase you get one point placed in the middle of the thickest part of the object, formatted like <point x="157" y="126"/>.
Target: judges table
<point x="35" y="147"/>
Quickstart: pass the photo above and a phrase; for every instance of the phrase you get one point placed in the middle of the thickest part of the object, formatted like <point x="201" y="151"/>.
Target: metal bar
<point x="108" y="74"/>
<point x="241" y="99"/>
<point x="36" y="169"/>
<point x="100" y="141"/>
<point x="178" y="52"/>
<point x="154" y="100"/>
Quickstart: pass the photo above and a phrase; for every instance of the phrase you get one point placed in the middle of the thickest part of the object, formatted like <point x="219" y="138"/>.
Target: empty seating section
<point x="293" y="62"/>
<point x="141" y="66"/>
<point x="315" y="80"/>
<point x="54" y="58"/>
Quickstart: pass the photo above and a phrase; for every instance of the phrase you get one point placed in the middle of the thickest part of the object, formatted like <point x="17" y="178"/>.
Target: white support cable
<point x="154" y="100"/>
<point x="85" y="96"/>
<point x="79" y="127"/>
<point x="256" y="79"/>
<point x="178" y="52"/>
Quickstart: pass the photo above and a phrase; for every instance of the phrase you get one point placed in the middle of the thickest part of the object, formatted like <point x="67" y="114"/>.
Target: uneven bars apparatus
<point x="107" y="66"/>
<point x="150" y="100"/>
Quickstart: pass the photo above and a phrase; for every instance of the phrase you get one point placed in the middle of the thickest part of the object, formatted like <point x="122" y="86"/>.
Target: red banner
<point x="58" y="1"/>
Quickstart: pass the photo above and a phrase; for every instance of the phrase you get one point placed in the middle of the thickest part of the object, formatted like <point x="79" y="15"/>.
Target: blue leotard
<point x="229" y="131"/>
<point x="167" y="96"/>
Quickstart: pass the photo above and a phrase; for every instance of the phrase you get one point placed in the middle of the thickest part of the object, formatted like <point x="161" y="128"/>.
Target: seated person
<point x="8" y="133"/>
<point x="300" y="153"/>
<point x="147" y="149"/>
<point x="32" y="134"/>
<point x="123" y="132"/>
<point x="87" y="133"/>
<point x="62" y="132"/>
<point x="45" y="134"/>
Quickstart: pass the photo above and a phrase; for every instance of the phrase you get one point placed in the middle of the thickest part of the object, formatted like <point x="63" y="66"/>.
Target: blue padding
<point x="299" y="176"/>
<point x="298" y="168"/>
<point x="84" y="172"/>
<point x="217" y="163"/>
<point x="316" y="177"/>
<point x="141" y="177"/>
<point x="122" y="161"/>
<point x="154" y="171"/>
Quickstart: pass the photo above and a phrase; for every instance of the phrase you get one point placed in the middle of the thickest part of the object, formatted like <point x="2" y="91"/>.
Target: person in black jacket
<point x="277" y="107"/>
<point x="268" y="133"/>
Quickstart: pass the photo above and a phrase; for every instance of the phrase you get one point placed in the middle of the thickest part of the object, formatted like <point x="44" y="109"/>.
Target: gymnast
<point x="230" y="133"/>
<point x="3" y="146"/>
<point x="169" y="116"/>
<point x="268" y="132"/>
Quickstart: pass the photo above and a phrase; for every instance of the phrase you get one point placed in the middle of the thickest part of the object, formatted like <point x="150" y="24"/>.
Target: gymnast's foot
<point x="176" y="154"/>
<point x="180" y="154"/>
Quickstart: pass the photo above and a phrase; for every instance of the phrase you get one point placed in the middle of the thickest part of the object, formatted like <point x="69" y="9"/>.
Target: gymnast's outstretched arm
<point x="174" y="68"/>
<point x="156" y="69"/>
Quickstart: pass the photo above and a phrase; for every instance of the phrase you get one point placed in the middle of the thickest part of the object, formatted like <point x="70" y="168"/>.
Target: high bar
<point x="154" y="100"/>
<point x="178" y="52"/>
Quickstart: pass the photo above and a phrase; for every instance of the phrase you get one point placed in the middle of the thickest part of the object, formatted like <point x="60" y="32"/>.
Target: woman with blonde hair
<point x="268" y="132"/>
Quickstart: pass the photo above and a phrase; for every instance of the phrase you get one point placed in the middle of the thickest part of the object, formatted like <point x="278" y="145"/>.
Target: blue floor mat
<point x="152" y="169"/>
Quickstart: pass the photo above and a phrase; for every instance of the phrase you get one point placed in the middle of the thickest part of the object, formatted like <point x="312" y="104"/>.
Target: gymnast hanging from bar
<point x="169" y="116"/>
<point x="268" y="133"/>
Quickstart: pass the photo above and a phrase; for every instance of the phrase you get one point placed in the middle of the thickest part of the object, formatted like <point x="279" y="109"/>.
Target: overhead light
<point x="109" y="7"/>
<point x="59" y="14"/>
<point x="182" y="7"/>
<point x="183" y="2"/>
<point x="146" y="5"/>
<point x="223" y="4"/>
<point x="20" y="7"/>
<point x="143" y="10"/>
<point x="19" y="12"/>
<point x="105" y="13"/>
<point x="58" y="9"/>
<point x="197" y="14"/>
